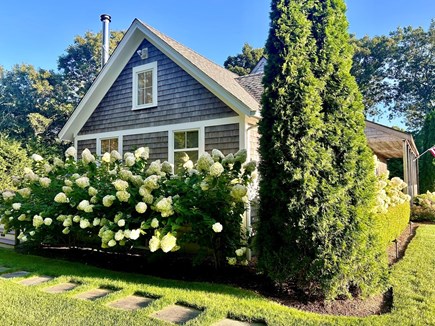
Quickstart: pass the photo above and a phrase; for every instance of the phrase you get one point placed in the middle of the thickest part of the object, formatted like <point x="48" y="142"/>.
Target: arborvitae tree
<point x="426" y="139"/>
<point x="317" y="172"/>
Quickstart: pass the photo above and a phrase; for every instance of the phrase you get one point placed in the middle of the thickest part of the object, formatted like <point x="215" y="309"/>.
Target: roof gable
<point x="221" y="82"/>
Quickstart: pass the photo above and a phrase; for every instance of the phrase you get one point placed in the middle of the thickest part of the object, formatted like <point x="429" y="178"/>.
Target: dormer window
<point x="145" y="86"/>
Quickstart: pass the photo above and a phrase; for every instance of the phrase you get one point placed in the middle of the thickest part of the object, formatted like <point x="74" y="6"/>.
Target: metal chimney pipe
<point x="106" y="19"/>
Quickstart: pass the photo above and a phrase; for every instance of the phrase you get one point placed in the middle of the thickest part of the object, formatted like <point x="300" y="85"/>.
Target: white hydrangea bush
<point x="390" y="193"/>
<point x="124" y="201"/>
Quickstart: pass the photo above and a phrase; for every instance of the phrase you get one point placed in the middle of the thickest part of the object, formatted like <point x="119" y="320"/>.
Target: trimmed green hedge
<point x="392" y="223"/>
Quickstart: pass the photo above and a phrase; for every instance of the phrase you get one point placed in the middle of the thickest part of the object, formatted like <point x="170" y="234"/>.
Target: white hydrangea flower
<point x="229" y="159"/>
<point x="71" y="152"/>
<point x="45" y="182"/>
<point x="217" y="155"/>
<point x="96" y="221"/>
<point x="142" y="152"/>
<point x="217" y="227"/>
<point x="129" y="159"/>
<point x="82" y="182"/>
<point x="119" y="235"/>
<point x="37" y="221"/>
<point x="120" y="185"/>
<point x="76" y="219"/>
<point x="24" y="192"/>
<point x="137" y="180"/>
<point x="94" y="200"/>
<point x="240" y="252"/>
<point x="134" y="234"/>
<point x="111" y="243"/>
<point x="123" y="196"/>
<point x="241" y="156"/>
<point x="67" y="189"/>
<point x="68" y="183"/>
<point x="92" y="191"/>
<point x="7" y="195"/>
<point x="108" y="200"/>
<point x="125" y="174"/>
<point x="154" y="243"/>
<point x="188" y="165"/>
<point x="84" y="223"/>
<point x="141" y="207"/>
<point x="152" y="182"/>
<point x="66" y="230"/>
<point x="164" y="206"/>
<point x="83" y="205"/>
<point x="121" y="223"/>
<point x="154" y="168"/>
<point x="57" y="162"/>
<point x="67" y="222"/>
<point x="155" y="223"/>
<point x="16" y="206"/>
<point x="127" y="234"/>
<point x="204" y="162"/>
<point x="32" y="233"/>
<point x="115" y="156"/>
<point x="48" y="221"/>
<point x="61" y="198"/>
<point x="166" y="167"/>
<point x="216" y="169"/>
<point x="232" y="260"/>
<point x="168" y="242"/>
<point x="106" y="158"/>
<point x="37" y="158"/>
<point x="22" y="217"/>
<point x="87" y="156"/>
<point x="250" y="166"/>
<point x="239" y="191"/>
<point x="74" y="177"/>
<point x="204" y="186"/>
<point x="47" y="168"/>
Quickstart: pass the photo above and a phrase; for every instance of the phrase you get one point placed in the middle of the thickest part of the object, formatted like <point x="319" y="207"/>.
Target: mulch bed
<point x="242" y="277"/>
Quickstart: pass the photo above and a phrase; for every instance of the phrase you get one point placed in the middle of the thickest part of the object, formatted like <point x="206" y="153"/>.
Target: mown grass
<point x="413" y="281"/>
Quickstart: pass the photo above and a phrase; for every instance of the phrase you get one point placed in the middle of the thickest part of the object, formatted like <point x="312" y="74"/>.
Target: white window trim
<point x="98" y="146"/>
<point x="136" y="70"/>
<point x="172" y="150"/>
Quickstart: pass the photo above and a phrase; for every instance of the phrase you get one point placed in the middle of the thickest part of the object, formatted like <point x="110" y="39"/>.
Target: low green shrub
<point x="124" y="202"/>
<point x="393" y="209"/>
<point x="424" y="207"/>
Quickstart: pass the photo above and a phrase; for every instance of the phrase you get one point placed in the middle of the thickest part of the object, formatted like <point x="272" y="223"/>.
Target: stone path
<point x="132" y="302"/>
<point x="93" y="294"/>
<point x="61" y="288"/>
<point x="36" y="280"/>
<point x="15" y="274"/>
<point x="177" y="314"/>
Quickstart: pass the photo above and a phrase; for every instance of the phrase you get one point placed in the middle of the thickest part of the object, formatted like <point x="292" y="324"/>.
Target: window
<point x="109" y="144"/>
<point x="185" y="143"/>
<point x="145" y="86"/>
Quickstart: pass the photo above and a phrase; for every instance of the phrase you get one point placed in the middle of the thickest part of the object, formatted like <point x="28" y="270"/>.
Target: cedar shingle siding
<point x="156" y="141"/>
<point x="225" y="138"/>
<point x="180" y="99"/>
<point x="90" y="144"/>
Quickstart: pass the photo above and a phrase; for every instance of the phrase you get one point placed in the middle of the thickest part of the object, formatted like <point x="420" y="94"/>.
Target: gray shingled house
<point x="155" y="92"/>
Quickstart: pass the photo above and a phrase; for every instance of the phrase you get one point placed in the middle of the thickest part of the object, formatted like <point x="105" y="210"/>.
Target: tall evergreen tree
<point x="426" y="139"/>
<point x="316" y="191"/>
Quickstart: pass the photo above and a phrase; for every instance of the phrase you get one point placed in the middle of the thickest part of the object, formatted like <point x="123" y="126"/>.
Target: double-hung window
<point x="145" y="86"/>
<point x="186" y="144"/>
<point x="109" y="144"/>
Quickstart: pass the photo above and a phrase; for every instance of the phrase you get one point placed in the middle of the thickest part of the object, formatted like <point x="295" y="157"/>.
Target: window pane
<point x="105" y="145"/>
<point x="140" y="96"/>
<point x="179" y="140"/>
<point x="140" y="80"/>
<point x="193" y="155"/>
<point x="192" y="139"/>
<point x="114" y="144"/>
<point x="149" y="78"/>
<point x="149" y="95"/>
<point x="180" y="158"/>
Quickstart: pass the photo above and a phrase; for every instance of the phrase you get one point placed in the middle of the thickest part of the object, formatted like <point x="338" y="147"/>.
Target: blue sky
<point x="37" y="32"/>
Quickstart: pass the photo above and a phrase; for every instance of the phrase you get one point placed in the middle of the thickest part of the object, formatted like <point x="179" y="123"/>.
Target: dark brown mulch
<point x="242" y="277"/>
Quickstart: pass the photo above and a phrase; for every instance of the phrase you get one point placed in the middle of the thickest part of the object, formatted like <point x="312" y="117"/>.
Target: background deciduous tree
<point x="426" y="139"/>
<point x="243" y="63"/>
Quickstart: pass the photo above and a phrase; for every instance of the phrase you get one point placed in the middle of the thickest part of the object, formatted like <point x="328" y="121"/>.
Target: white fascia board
<point x="225" y="96"/>
<point x="102" y="83"/>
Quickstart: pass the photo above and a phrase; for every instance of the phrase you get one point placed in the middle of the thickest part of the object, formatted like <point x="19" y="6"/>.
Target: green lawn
<point x="413" y="279"/>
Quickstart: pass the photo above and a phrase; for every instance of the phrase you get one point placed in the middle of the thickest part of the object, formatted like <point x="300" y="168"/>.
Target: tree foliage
<point x="317" y="185"/>
<point x="243" y="63"/>
<point x="398" y="73"/>
<point x="426" y="139"/>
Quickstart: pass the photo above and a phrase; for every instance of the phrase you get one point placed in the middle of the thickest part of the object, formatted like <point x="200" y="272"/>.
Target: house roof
<point x="384" y="141"/>
<point x="218" y="80"/>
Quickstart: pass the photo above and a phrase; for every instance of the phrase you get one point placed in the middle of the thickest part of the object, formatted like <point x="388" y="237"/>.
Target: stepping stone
<point x="2" y="269"/>
<point x="60" y="288"/>
<point x="93" y="294"/>
<point x="36" y="280"/>
<point x="15" y="274"/>
<point x="233" y="322"/>
<point x="132" y="302"/>
<point x="177" y="314"/>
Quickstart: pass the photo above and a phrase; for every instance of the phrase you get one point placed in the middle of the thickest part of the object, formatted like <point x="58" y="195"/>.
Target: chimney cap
<point x="104" y="17"/>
